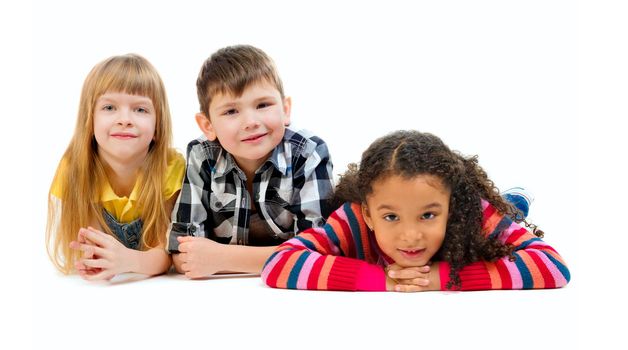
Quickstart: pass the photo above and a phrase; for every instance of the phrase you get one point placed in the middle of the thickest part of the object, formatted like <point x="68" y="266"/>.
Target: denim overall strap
<point x="128" y="234"/>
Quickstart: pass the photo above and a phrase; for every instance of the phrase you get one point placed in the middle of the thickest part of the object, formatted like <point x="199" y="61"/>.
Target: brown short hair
<point x="231" y="70"/>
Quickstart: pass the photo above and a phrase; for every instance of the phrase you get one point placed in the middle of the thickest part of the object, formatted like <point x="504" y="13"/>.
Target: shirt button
<point x="218" y="204"/>
<point x="192" y="229"/>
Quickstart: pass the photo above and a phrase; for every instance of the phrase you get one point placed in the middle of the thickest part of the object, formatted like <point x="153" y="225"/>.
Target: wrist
<point x="434" y="277"/>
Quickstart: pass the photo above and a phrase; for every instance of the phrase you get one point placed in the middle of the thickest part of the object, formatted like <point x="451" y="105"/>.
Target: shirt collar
<point x="279" y="158"/>
<point x="108" y="194"/>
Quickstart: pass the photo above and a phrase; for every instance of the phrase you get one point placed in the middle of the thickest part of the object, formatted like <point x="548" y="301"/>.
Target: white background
<point x="537" y="89"/>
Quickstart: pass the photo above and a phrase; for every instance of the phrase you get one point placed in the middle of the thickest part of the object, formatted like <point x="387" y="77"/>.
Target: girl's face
<point x="124" y="126"/>
<point x="408" y="217"/>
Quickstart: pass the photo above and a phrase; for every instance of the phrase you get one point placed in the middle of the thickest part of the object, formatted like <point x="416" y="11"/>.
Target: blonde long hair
<point x="85" y="175"/>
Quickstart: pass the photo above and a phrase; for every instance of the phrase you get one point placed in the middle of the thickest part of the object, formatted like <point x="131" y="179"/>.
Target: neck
<point x="122" y="174"/>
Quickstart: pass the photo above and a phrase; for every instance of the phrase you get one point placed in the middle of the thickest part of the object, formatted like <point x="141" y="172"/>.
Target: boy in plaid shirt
<point x="251" y="183"/>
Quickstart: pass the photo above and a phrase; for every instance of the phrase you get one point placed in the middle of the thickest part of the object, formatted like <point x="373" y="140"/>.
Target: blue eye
<point x="142" y="110"/>
<point x="107" y="108"/>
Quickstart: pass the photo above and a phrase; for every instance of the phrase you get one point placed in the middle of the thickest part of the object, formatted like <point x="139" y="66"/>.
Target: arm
<point x="201" y="257"/>
<point x="327" y="258"/>
<point x="536" y="264"/>
<point x="189" y="214"/>
<point x="104" y="256"/>
<point x="313" y="187"/>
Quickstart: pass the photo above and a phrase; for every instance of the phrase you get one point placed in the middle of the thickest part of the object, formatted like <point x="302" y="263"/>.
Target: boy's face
<point x="250" y="126"/>
<point x="408" y="217"/>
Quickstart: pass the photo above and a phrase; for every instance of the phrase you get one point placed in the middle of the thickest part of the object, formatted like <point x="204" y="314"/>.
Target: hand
<point x="408" y="279"/>
<point x="200" y="257"/>
<point x="104" y="256"/>
<point x="88" y="253"/>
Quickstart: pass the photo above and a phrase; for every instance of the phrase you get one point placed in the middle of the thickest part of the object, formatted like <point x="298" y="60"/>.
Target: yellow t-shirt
<point x="125" y="209"/>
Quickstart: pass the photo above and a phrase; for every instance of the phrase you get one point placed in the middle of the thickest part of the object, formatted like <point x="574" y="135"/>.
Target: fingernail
<point x="397" y="288"/>
<point x="391" y="273"/>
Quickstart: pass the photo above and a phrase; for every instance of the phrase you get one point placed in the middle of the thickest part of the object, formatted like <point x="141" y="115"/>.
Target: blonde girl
<point x="114" y="189"/>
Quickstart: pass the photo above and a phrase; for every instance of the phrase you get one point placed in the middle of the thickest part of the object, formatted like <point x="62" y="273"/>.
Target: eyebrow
<point x="434" y="205"/>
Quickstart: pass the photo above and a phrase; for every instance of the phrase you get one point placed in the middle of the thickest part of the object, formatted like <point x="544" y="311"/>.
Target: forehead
<point x="123" y="97"/>
<point x="416" y="191"/>
<point x="257" y="89"/>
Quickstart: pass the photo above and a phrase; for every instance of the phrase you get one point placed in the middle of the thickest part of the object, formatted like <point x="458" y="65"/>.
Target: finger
<point x="104" y="275"/>
<point x="408" y="288"/>
<point x="184" y="247"/>
<point x="182" y="257"/>
<point x="409" y="272"/>
<point x="99" y="238"/>
<point x="421" y="282"/>
<point x="89" y="250"/>
<point x="182" y="239"/>
<point x="96" y="263"/>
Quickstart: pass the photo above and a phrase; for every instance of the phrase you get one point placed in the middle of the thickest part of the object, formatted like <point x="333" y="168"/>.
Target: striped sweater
<point x="343" y="255"/>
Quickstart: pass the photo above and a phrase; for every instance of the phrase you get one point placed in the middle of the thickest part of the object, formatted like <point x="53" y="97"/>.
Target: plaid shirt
<point x="290" y="192"/>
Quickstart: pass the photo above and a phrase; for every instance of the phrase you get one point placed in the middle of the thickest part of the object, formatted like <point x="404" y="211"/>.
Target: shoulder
<point x="56" y="189"/>
<point x="203" y="149"/>
<point x="304" y="143"/>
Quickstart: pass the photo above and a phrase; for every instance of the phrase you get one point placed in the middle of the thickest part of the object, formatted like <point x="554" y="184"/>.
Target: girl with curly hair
<point x="417" y="216"/>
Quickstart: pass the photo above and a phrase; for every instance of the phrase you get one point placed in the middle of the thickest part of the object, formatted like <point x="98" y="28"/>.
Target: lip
<point x="123" y="135"/>
<point x="412" y="254"/>
<point x="254" y="138"/>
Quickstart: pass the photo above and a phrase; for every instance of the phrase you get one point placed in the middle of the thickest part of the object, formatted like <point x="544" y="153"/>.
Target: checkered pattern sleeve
<point x="189" y="216"/>
<point x="313" y="186"/>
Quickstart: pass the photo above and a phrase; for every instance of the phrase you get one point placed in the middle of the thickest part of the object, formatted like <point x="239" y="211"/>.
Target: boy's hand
<point x="411" y="279"/>
<point x="200" y="257"/>
<point x="104" y="256"/>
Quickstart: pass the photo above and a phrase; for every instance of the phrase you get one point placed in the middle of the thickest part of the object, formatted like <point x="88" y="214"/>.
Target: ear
<point x="287" y="108"/>
<point x="206" y="126"/>
<point x="367" y="216"/>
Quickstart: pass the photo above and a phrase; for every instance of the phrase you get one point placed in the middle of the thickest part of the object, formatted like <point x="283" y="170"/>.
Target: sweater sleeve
<point x="536" y="264"/>
<point x="331" y="257"/>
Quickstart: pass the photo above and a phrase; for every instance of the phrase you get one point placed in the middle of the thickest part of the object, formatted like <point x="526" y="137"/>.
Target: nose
<point x="411" y="232"/>
<point x="251" y="120"/>
<point x="124" y="117"/>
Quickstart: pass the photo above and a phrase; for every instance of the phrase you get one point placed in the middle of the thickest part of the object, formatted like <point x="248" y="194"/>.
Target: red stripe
<point x="488" y="212"/>
<point x="504" y="275"/>
<point x="312" y="281"/>
<point x="271" y="280"/>
<point x="321" y="240"/>
<point x="346" y="233"/>
<point x="475" y="277"/>
<point x="545" y="272"/>
<point x="516" y="234"/>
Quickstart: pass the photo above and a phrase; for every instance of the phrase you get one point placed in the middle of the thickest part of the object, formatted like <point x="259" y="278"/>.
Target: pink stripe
<point x="342" y="214"/>
<point x="484" y="203"/>
<point x="559" y="279"/>
<point x="271" y="265"/>
<point x="304" y="274"/>
<point x="515" y="275"/>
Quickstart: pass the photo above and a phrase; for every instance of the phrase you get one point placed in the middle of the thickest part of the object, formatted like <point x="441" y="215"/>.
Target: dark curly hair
<point x="412" y="153"/>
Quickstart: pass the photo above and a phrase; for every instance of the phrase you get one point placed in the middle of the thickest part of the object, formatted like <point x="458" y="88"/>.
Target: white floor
<point x="172" y="312"/>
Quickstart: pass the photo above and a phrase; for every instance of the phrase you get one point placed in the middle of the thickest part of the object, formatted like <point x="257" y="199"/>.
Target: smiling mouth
<point x="123" y="136"/>
<point x="254" y="137"/>
<point x="412" y="253"/>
